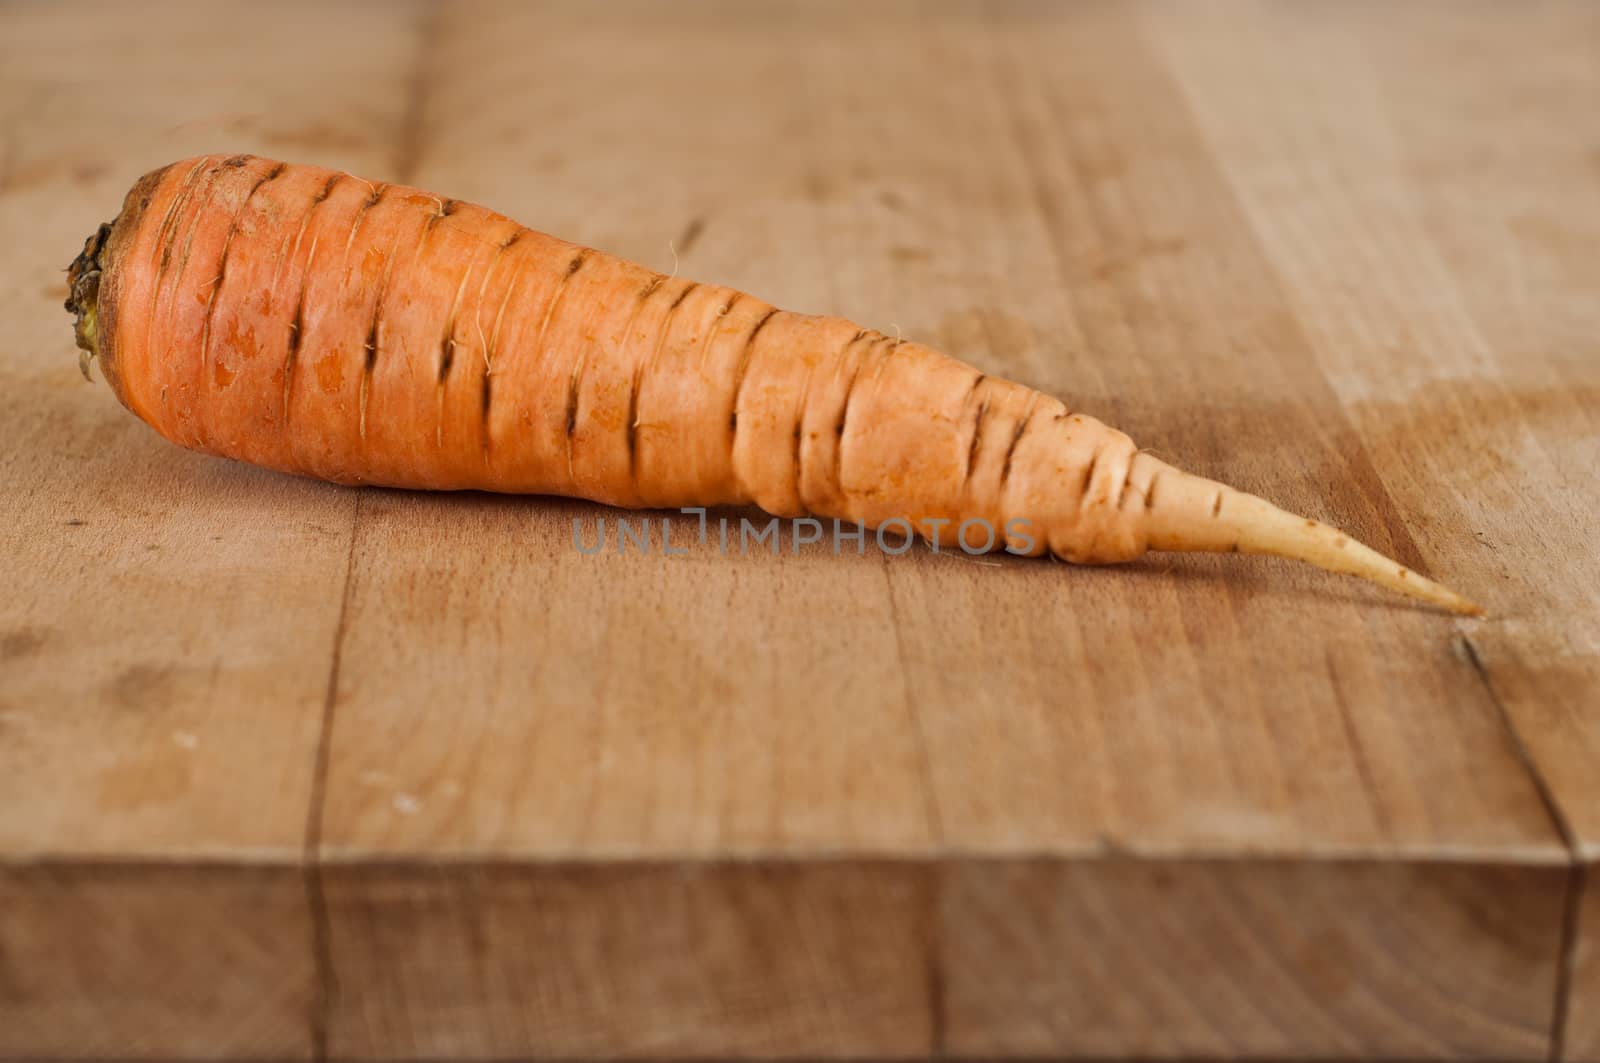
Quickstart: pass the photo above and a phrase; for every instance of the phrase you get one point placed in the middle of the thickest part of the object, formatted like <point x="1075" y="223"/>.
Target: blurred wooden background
<point x="293" y="771"/>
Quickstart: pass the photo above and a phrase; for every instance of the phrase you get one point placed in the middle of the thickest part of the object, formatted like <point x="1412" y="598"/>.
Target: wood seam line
<point x="930" y="796"/>
<point x="1566" y="956"/>
<point x="408" y="155"/>
<point x="411" y="128"/>
<point x="102" y="867"/>
<point x="8" y="160"/>
<point x="938" y="1021"/>
<point x="1352" y="735"/>
<point x="934" y="941"/>
<point x="1566" y="973"/>
<point x="325" y="988"/>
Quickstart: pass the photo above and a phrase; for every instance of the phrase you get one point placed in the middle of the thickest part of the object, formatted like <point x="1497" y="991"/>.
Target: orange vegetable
<point x="316" y="323"/>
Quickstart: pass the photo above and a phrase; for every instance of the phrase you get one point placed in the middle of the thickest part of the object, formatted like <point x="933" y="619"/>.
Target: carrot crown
<point x="83" y="293"/>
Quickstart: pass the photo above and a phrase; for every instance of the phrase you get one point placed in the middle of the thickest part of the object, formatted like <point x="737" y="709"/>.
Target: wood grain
<point x="630" y="960"/>
<point x="154" y="961"/>
<point x="290" y="771"/>
<point x="1299" y="958"/>
<point x="1581" y="1034"/>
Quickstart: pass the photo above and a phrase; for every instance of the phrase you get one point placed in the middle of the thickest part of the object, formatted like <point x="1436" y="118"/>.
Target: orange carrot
<point x="313" y="322"/>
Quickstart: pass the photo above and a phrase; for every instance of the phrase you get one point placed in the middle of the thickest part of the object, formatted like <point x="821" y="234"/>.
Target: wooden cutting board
<point x="292" y="771"/>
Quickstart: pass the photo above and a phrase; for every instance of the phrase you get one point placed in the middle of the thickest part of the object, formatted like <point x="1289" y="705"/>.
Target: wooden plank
<point x="551" y="720"/>
<point x="1466" y="253"/>
<point x="143" y="624"/>
<point x="1438" y="274"/>
<point x="1581" y="1035"/>
<point x="1524" y="279"/>
<point x="825" y="960"/>
<point x="1252" y="959"/>
<point x="608" y="708"/>
<point x="155" y="961"/>
<point x="700" y="705"/>
<point x="166" y="629"/>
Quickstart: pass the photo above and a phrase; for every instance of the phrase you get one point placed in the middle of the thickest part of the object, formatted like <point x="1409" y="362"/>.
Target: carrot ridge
<point x="631" y="418"/>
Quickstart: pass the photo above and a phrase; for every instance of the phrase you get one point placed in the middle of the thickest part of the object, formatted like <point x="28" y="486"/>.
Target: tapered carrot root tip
<point x="1270" y="530"/>
<point x="1201" y="515"/>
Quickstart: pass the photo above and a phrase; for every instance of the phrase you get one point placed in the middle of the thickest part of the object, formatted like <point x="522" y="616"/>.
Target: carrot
<point x="316" y="323"/>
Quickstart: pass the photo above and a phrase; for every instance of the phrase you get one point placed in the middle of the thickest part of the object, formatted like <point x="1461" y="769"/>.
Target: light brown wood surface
<point x="294" y="771"/>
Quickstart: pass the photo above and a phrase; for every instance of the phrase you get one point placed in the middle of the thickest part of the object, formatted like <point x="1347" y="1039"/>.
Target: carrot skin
<point x="316" y="323"/>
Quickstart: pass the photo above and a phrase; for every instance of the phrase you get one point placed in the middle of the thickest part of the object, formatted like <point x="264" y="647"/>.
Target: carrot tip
<point x="1266" y="529"/>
